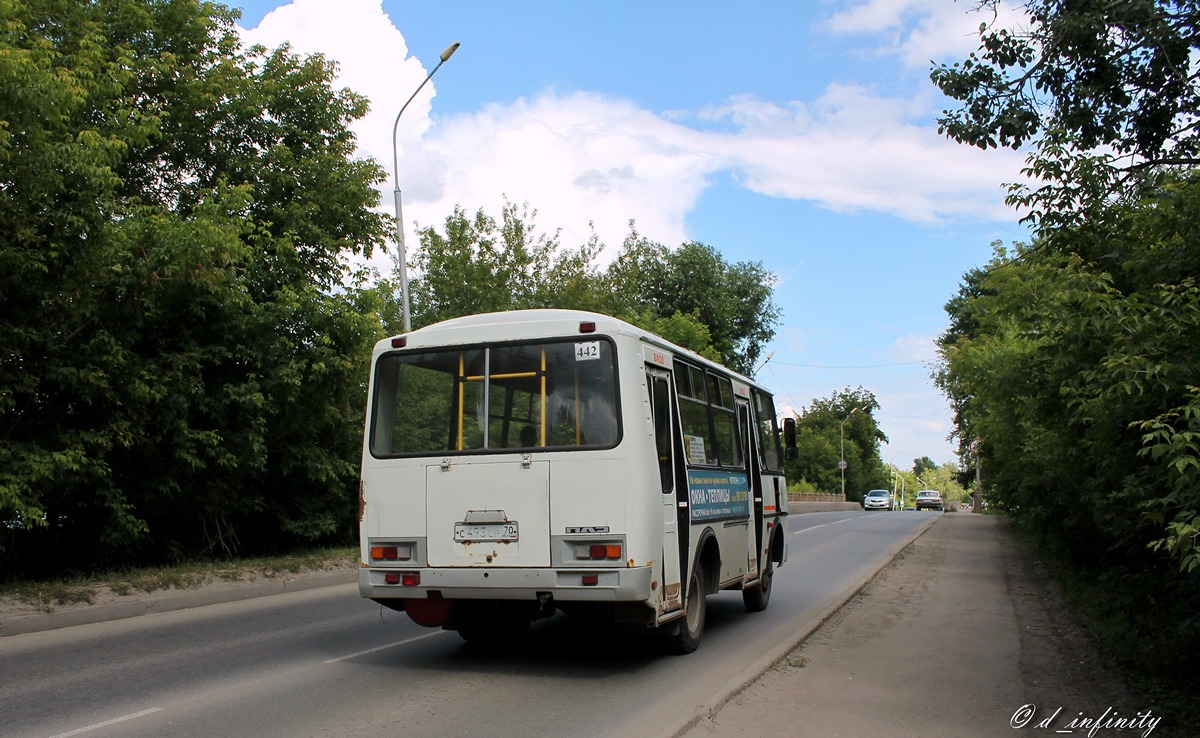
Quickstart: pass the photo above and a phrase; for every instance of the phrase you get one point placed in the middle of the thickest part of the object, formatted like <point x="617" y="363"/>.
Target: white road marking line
<point x="381" y="648"/>
<point x="107" y="723"/>
<point x="822" y="525"/>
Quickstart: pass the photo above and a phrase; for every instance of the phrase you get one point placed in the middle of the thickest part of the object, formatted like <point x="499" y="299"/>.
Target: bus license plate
<point x="470" y="532"/>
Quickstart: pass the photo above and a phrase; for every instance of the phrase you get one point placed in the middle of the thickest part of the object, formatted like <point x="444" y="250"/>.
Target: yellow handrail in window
<point x="461" y="387"/>
<point x="542" y="430"/>
<point x="463" y="378"/>
<point x="578" y="413"/>
<point x="513" y="375"/>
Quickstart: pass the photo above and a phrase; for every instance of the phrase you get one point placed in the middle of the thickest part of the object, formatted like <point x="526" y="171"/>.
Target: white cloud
<point x="577" y="158"/>
<point x="372" y="58"/>
<point x="855" y="150"/>
<point x="920" y="31"/>
<point x="915" y="347"/>
<point x="581" y="158"/>
<point x="917" y="423"/>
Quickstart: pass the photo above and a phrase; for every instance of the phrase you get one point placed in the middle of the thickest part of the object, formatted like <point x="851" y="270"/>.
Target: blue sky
<point x="801" y="135"/>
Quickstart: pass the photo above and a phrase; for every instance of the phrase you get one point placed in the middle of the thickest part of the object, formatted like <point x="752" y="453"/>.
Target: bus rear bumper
<point x="563" y="585"/>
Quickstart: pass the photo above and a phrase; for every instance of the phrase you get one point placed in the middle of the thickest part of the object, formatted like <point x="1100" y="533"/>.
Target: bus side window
<point x="768" y="431"/>
<point x="660" y="408"/>
<point x="725" y="427"/>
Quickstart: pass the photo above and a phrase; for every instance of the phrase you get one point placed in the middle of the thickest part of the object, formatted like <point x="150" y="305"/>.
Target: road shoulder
<point x="20" y="617"/>
<point x="955" y="638"/>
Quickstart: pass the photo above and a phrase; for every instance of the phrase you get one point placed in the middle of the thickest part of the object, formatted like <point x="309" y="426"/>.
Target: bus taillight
<point x="391" y="552"/>
<point x="599" y="551"/>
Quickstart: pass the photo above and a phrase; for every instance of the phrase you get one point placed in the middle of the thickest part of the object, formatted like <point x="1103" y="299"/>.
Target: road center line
<point x="381" y="648"/>
<point x="822" y="525"/>
<point x="107" y="723"/>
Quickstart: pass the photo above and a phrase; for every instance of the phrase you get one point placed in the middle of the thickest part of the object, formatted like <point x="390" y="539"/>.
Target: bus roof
<point x="515" y="325"/>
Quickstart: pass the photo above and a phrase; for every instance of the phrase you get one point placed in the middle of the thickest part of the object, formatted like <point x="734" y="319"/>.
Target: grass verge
<point x="1146" y="621"/>
<point x="49" y="595"/>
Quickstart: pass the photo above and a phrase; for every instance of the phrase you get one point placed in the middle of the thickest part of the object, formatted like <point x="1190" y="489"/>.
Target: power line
<point x="855" y="366"/>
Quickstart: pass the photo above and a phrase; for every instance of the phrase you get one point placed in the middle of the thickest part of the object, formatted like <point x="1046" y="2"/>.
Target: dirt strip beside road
<point x="963" y="635"/>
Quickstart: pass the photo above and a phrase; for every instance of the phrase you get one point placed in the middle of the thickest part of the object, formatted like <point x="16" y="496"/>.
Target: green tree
<point x="923" y="465"/>
<point x="688" y="330"/>
<point x="844" y="420"/>
<point x="944" y="478"/>
<point x="1070" y="362"/>
<point x="1106" y="95"/>
<point x="181" y="369"/>
<point x="478" y="265"/>
<point x="689" y="295"/>
<point x="1072" y="372"/>
<point x="733" y="300"/>
<point x="1105" y="92"/>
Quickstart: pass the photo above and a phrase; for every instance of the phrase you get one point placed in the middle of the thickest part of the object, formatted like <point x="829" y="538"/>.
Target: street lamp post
<point x="403" y="257"/>
<point x="895" y="476"/>
<point x="842" y="463"/>
<point x="903" y="486"/>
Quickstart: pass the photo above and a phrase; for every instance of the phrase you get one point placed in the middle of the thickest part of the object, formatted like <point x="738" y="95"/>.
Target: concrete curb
<point x="811" y="507"/>
<point x="168" y="602"/>
<point x="751" y="673"/>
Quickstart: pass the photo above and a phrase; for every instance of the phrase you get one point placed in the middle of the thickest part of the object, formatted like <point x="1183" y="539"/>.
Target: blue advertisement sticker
<point x="718" y="494"/>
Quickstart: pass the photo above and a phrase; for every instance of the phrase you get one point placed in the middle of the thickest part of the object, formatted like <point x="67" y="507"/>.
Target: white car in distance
<point x="878" y="499"/>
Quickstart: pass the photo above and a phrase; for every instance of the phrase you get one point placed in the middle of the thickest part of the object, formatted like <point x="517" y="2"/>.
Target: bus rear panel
<point x="517" y="464"/>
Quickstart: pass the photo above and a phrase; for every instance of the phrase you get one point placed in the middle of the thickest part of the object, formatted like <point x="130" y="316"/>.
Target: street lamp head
<point x="449" y="52"/>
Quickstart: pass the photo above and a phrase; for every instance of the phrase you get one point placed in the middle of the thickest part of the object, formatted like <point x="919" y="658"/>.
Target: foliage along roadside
<point x="185" y="348"/>
<point x="689" y="294"/>
<point x="180" y="372"/>
<point x="1071" y="362"/>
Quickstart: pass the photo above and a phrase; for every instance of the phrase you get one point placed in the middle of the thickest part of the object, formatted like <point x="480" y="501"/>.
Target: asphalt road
<point x="326" y="663"/>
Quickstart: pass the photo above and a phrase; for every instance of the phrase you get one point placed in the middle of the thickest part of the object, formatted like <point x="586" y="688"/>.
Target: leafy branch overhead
<point x="1104" y="93"/>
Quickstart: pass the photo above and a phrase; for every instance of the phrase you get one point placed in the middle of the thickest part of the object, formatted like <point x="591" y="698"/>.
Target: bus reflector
<point x="391" y="578"/>
<point x="587" y="326"/>
<point x="591" y="580"/>
<point x="399" y="342"/>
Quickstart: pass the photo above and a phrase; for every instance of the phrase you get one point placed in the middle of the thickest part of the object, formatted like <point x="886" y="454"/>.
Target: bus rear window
<point x="496" y="398"/>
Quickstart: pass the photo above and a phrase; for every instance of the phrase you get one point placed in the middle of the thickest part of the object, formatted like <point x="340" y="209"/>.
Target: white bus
<point x="520" y="463"/>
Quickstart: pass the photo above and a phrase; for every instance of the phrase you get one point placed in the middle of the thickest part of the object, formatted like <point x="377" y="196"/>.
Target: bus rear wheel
<point x="691" y="626"/>
<point x="758" y="596"/>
